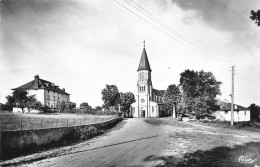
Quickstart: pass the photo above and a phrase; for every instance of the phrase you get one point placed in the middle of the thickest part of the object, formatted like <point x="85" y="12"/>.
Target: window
<point x="144" y="88"/>
<point x="152" y="109"/>
<point x="54" y="97"/>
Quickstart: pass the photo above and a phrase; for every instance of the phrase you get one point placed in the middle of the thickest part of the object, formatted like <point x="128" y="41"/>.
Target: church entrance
<point x="143" y="113"/>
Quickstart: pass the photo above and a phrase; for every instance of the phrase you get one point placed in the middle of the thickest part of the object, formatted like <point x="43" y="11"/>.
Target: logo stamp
<point x="246" y="160"/>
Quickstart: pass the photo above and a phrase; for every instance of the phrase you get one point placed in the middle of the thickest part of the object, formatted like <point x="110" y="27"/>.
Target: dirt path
<point x="165" y="142"/>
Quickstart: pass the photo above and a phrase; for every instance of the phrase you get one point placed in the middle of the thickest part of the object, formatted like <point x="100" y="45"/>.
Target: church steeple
<point x="144" y="63"/>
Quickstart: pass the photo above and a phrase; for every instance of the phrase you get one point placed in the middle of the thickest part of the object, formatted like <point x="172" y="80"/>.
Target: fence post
<point x="21" y="124"/>
<point x="41" y="122"/>
<point x="57" y="123"/>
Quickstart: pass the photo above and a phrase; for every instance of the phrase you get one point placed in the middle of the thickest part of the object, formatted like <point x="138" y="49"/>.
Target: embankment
<point x="23" y="142"/>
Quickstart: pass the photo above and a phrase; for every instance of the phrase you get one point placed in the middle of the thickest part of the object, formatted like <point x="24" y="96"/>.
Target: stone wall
<point x="23" y="142"/>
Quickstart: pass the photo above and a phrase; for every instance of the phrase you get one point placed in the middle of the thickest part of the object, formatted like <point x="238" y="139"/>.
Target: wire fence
<point x="14" y="124"/>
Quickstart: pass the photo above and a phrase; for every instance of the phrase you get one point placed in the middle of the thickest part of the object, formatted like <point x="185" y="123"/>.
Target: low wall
<point x="16" y="143"/>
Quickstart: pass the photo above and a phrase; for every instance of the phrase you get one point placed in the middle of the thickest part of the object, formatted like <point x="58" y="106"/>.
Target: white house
<point x="224" y="113"/>
<point x="148" y="100"/>
<point x="45" y="91"/>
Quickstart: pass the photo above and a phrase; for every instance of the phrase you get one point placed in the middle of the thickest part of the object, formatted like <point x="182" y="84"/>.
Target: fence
<point x="12" y="124"/>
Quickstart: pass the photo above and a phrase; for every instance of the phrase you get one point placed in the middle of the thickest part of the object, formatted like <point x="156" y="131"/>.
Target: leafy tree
<point x="21" y="99"/>
<point x="255" y="112"/>
<point x="171" y="98"/>
<point x="84" y="105"/>
<point x="199" y="91"/>
<point x="61" y="106"/>
<point x="125" y="101"/>
<point x="110" y="95"/>
<point x="255" y="16"/>
<point x="98" y="108"/>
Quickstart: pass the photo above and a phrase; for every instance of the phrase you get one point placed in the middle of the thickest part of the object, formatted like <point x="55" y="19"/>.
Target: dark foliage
<point x="255" y="112"/>
<point x="255" y="16"/>
<point x="199" y="92"/>
<point x="110" y="95"/>
<point x="171" y="99"/>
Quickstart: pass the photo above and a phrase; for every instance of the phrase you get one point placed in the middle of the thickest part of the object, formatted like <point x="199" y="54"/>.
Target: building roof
<point x="38" y="83"/>
<point x="144" y="63"/>
<point x="224" y="106"/>
<point x="158" y="92"/>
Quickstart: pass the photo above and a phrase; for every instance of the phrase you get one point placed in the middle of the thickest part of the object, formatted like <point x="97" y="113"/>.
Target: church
<point x="148" y="99"/>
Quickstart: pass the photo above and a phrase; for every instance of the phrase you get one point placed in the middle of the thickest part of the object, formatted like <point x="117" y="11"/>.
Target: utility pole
<point x="232" y="96"/>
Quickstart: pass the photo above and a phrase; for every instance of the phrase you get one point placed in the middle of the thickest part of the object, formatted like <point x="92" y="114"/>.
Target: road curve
<point x="127" y="144"/>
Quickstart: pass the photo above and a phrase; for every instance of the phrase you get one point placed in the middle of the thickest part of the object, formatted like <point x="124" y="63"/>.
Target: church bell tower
<point x="144" y="85"/>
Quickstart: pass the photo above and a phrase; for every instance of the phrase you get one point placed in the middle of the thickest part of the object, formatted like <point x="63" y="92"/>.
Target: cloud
<point x="232" y="15"/>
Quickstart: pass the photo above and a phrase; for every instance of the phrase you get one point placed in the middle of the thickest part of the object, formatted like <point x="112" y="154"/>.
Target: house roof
<point x="144" y="62"/>
<point x="224" y="106"/>
<point x="158" y="92"/>
<point x="41" y="84"/>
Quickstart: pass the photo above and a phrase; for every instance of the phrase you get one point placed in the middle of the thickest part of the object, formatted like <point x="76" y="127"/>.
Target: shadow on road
<point x="75" y="152"/>
<point x="239" y="155"/>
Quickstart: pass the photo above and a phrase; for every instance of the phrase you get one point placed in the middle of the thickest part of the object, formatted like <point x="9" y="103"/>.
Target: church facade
<point x="148" y="99"/>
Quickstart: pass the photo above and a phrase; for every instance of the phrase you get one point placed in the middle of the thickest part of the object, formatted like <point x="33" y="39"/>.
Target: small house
<point x="224" y="112"/>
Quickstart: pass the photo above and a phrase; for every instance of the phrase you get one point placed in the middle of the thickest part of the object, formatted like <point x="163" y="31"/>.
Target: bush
<point x="94" y="112"/>
<point x="6" y="108"/>
<point x="86" y="132"/>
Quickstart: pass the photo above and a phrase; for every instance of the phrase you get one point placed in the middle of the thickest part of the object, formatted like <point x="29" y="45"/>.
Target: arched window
<point x="144" y="88"/>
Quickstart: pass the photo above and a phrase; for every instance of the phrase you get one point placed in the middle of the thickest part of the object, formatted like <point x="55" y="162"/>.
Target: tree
<point x="98" y="108"/>
<point x="61" y="106"/>
<point x="110" y="95"/>
<point x="171" y="98"/>
<point x="254" y="112"/>
<point x="21" y="99"/>
<point x="85" y="106"/>
<point x="199" y="91"/>
<point x="126" y="99"/>
<point x="255" y="16"/>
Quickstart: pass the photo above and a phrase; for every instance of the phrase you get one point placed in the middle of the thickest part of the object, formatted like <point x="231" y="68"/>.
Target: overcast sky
<point x="82" y="45"/>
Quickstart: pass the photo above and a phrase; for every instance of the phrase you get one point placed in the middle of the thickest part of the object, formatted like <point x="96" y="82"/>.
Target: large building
<point x="46" y="92"/>
<point x="148" y="99"/>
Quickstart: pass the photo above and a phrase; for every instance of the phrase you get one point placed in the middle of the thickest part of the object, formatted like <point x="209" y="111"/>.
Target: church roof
<point x="158" y="92"/>
<point x="144" y="63"/>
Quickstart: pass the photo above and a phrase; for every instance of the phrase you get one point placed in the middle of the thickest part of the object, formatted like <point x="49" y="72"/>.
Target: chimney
<point x="63" y="90"/>
<point x="36" y="81"/>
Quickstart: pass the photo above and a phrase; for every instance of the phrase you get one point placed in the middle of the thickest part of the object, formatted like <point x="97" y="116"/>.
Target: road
<point x="127" y="144"/>
<point x="166" y="142"/>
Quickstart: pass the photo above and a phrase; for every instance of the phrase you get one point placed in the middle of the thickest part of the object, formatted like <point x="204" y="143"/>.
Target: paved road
<point x="128" y="144"/>
<point x="134" y="142"/>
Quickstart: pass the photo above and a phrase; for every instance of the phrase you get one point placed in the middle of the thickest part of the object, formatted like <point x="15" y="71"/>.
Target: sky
<point x="82" y="45"/>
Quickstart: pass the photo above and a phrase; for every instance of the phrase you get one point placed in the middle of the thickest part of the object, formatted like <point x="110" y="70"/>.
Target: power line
<point x="185" y="38"/>
<point x="159" y="27"/>
<point x="144" y="19"/>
